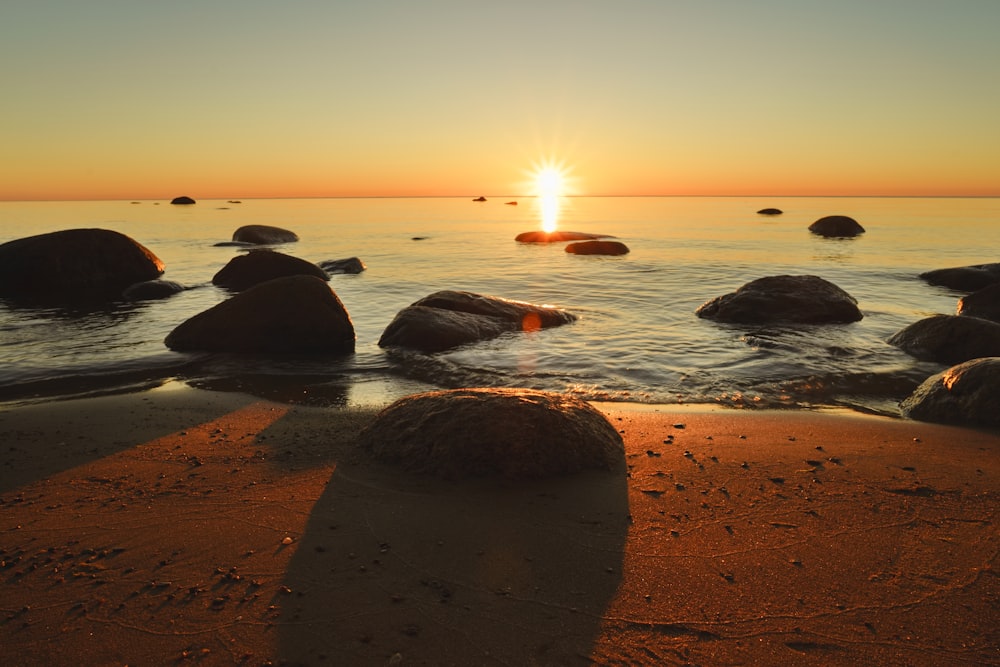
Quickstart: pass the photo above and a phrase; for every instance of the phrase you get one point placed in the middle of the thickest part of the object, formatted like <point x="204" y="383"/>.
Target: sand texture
<point x="176" y="527"/>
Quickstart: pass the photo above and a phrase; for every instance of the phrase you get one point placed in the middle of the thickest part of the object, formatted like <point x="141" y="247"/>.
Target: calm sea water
<point x="637" y="339"/>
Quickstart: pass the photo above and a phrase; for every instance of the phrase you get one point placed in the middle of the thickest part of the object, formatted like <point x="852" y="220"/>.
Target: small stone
<point x="287" y="541"/>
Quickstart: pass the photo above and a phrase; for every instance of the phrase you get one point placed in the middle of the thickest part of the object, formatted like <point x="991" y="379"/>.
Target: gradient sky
<point x="132" y="99"/>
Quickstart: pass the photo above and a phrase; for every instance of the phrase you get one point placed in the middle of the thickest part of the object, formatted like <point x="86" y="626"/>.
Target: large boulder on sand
<point x="511" y="433"/>
<point x="556" y="236"/>
<point x="795" y="299"/>
<point x="968" y="393"/>
<point x="949" y="339"/>
<point x="447" y="319"/>
<point x="258" y="266"/>
<point x="264" y="235"/>
<point x="964" y="278"/>
<point x="983" y="303"/>
<point x="292" y="314"/>
<point x="73" y="265"/>
<point x="597" y="248"/>
<point x="836" y="226"/>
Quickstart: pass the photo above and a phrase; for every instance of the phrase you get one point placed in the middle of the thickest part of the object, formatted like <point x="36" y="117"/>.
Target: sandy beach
<point x="181" y="526"/>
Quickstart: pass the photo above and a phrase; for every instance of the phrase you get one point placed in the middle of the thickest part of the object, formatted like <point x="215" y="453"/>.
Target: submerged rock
<point x="557" y="236"/>
<point x="152" y="289"/>
<point x="968" y="393"/>
<point x="795" y="299"/>
<point x="264" y="235"/>
<point x="182" y="201"/>
<point x="949" y="339"/>
<point x="349" y="265"/>
<point x="258" y="266"/>
<point x="597" y="248"/>
<point x="292" y="314"/>
<point x="770" y="211"/>
<point x="447" y="319"/>
<point x="73" y="265"/>
<point x="964" y="278"/>
<point x="510" y="433"/>
<point x="837" y="226"/>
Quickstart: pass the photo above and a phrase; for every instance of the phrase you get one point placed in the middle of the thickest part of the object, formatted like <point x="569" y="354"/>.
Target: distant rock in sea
<point x="479" y="199"/>
<point x="264" y="235"/>
<point x="557" y="236"/>
<point x="511" y="203"/>
<point x="597" y="248"/>
<point x="770" y="211"/>
<point x="839" y="226"/>
<point x="182" y="201"/>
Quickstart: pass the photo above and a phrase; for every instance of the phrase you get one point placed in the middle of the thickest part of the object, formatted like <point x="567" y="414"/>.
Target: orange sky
<point x="221" y="99"/>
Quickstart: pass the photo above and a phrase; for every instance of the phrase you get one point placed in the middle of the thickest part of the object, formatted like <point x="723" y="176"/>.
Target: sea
<point x="637" y="339"/>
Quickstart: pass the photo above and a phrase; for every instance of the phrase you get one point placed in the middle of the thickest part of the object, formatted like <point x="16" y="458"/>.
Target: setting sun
<point x="550" y="182"/>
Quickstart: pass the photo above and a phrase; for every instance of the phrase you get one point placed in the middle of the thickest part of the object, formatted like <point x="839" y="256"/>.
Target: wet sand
<point x="194" y="527"/>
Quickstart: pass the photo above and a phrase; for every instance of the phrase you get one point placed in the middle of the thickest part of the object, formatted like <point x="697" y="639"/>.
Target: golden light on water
<point x="551" y="183"/>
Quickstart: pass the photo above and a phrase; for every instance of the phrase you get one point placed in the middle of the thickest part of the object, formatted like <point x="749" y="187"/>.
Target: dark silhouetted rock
<point x="258" y="266"/>
<point x="149" y="290"/>
<point x="264" y="235"/>
<point x="479" y="199"/>
<point x="967" y="394"/>
<point x="182" y="201"/>
<point x="795" y="299"/>
<point x="448" y="319"/>
<point x="74" y="264"/>
<point x="234" y="244"/>
<point x="349" y="265"/>
<point x="294" y="314"/>
<point x="836" y="226"/>
<point x="510" y="433"/>
<point x="949" y="339"/>
<point x="557" y="237"/>
<point x="983" y="303"/>
<point x="511" y="203"/>
<point x="597" y="248"/>
<point x="964" y="278"/>
<point x="770" y="211"/>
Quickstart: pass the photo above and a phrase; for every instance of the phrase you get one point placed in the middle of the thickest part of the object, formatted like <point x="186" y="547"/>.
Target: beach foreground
<point x="179" y="526"/>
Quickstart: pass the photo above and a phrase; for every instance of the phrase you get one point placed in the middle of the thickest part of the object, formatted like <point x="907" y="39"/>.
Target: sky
<point x="133" y="99"/>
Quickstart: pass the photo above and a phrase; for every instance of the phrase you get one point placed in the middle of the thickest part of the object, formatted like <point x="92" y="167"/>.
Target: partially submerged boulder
<point x="983" y="303"/>
<point x="149" y="290"/>
<point x="264" y="235"/>
<point x="840" y="226"/>
<point x="965" y="278"/>
<point x="770" y="211"/>
<point x="556" y="236"/>
<point x="349" y="265"/>
<point x="510" y="433"/>
<point x="795" y="299"/>
<point x="949" y="339"/>
<point x="447" y="319"/>
<point x="182" y="201"/>
<point x="292" y="314"/>
<point x="258" y="266"/>
<point x="968" y="393"/>
<point x="597" y="248"/>
<point x="73" y="265"/>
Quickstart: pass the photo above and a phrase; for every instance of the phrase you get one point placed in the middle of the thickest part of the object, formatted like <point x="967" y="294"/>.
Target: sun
<point x="550" y="181"/>
<point x="551" y="184"/>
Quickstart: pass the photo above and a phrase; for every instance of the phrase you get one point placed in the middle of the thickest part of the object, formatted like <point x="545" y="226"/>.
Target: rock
<point x="258" y="266"/>
<point x="968" y="393"/>
<point x="182" y="201"/>
<point x="557" y="237"/>
<point x="964" y="278"/>
<point x="795" y="299"/>
<point x="286" y="315"/>
<point x="511" y="203"/>
<point x="510" y="433"/>
<point x="983" y="303"/>
<point x="949" y="339"/>
<point x="479" y="199"/>
<point x="149" y="290"/>
<point x="597" y="248"/>
<point x="264" y="235"/>
<point x="770" y="211"/>
<point x="447" y="319"/>
<point x="349" y="265"/>
<point x="73" y="265"/>
<point x="836" y="226"/>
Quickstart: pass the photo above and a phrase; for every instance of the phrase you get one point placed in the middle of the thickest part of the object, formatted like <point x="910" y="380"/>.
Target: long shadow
<point x="394" y="567"/>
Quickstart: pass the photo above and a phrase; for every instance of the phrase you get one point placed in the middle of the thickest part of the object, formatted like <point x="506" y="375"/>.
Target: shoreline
<point x="178" y="524"/>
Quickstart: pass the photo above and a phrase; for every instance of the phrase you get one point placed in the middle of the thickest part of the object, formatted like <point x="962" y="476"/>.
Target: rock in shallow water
<point x="840" y="226"/>
<point x="795" y="299"/>
<point x="949" y="339"/>
<point x="510" y="433"/>
<point x="264" y="234"/>
<point x="968" y="393"/>
<point x="258" y="266"/>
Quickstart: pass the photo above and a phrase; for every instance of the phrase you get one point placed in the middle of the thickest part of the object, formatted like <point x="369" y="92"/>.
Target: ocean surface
<point x="637" y="340"/>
